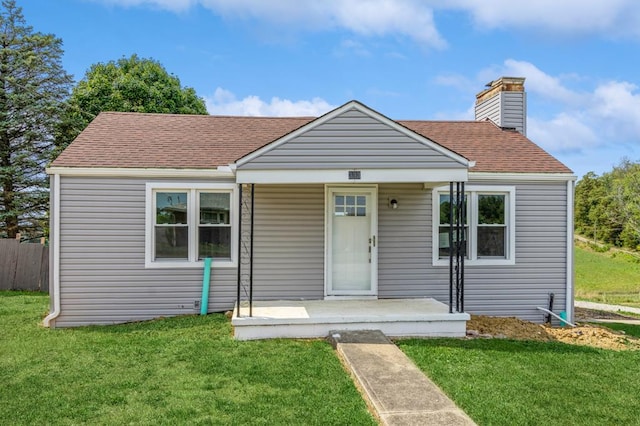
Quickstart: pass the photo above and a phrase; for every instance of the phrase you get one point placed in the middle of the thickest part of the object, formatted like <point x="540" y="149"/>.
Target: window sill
<point x="478" y="262"/>
<point x="175" y="264"/>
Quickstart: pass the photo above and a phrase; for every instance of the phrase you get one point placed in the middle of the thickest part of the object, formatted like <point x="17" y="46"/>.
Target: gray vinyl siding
<point x="405" y="254"/>
<point x="103" y="279"/>
<point x="404" y="243"/>
<point x="351" y="140"/>
<point x="514" y="112"/>
<point x="489" y="109"/>
<point x="289" y="249"/>
<point x="289" y="242"/>
<point x="506" y="109"/>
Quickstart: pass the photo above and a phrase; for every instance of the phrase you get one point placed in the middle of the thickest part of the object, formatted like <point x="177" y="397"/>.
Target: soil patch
<point x="481" y="326"/>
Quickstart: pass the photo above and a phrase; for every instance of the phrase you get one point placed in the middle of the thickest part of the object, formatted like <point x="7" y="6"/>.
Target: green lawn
<point x="169" y="371"/>
<point x="607" y="277"/>
<point x="507" y="382"/>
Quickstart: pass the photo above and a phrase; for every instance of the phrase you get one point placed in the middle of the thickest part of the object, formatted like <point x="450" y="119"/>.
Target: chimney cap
<point x="503" y="84"/>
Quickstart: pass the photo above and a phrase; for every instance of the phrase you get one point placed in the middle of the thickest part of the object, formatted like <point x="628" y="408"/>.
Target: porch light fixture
<point x="393" y="203"/>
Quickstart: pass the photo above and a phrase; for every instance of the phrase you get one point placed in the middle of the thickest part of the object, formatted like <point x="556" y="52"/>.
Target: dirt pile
<point x="513" y="328"/>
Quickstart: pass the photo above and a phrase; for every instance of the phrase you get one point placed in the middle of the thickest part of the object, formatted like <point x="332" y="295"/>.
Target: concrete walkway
<point x="605" y="307"/>
<point x="396" y="390"/>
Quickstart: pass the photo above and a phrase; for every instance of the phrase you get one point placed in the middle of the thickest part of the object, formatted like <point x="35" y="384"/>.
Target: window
<point x="350" y="205"/>
<point x="189" y="222"/>
<point x="489" y="225"/>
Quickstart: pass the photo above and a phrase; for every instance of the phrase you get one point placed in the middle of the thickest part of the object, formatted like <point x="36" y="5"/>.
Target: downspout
<point x="206" y="279"/>
<point x="55" y="249"/>
<point x="570" y="276"/>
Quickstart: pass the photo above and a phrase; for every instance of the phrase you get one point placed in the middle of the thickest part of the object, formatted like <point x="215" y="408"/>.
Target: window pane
<point x="491" y="209"/>
<point x="339" y="200"/>
<point x="214" y="241"/>
<point x="172" y="242"/>
<point x="351" y="200"/>
<point x="491" y="241"/>
<point x="214" y="208"/>
<point x="443" y="240"/>
<point x="361" y="200"/>
<point x="445" y="208"/>
<point x="361" y="211"/>
<point x="171" y="208"/>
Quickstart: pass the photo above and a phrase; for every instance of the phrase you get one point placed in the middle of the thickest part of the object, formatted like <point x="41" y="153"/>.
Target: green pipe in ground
<point x="206" y="278"/>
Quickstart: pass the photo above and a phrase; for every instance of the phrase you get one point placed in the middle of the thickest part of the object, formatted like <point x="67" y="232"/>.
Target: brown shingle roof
<point x="493" y="149"/>
<point x="133" y="140"/>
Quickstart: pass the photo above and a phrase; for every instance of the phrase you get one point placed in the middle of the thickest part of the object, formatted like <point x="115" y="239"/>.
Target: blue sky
<point x="408" y="59"/>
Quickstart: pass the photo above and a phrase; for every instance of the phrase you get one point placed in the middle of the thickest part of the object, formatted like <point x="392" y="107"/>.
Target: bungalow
<point x="348" y="220"/>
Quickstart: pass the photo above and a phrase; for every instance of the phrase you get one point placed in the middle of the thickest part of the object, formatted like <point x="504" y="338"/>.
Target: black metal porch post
<point x="463" y="251"/>
<point x="251" y="252"/>
<point x="450" y="247"/>
<point x="239" y="248"/>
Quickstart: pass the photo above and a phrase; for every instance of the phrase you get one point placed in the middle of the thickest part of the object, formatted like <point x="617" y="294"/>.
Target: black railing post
<point x="251" y="252"/>
<point x="464" y="247"/>
<point x="458" y="239"/>
<point x="239" y="248"/>
<point x="450" y="246"/>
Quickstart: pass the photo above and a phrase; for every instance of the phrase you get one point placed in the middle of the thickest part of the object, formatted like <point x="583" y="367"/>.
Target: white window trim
<point x="472" y="192"/>
<point x="192" y="189"/>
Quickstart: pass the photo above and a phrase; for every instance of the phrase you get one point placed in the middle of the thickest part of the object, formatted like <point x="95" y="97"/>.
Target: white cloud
<point x="607" y="113"/>
<point x="172" y="5"/>
<point x="415" y="18"/>
<point x="618" y="103"/>
<point x="563" y="133"/>
<point x="409" y="18"/>
<point x="224" y="102"/>
<point x="352" y="47"/>
<point x="540" y="82"/>
<point x="611" y="17"/>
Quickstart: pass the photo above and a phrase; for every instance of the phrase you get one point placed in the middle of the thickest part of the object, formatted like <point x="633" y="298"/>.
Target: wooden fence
<point x="24" y="266"/>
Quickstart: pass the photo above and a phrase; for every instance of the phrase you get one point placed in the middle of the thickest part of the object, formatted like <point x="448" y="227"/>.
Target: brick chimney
<point x="505" y="103"/>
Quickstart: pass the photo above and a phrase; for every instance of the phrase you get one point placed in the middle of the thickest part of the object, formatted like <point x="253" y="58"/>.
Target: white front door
<point x="352" y="246"/>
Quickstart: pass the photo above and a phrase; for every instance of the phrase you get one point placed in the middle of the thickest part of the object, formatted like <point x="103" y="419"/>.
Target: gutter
<point x="55" y="238"/>
<point x="570" y="275"/>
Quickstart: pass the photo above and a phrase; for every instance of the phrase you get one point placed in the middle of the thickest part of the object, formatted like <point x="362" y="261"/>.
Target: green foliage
<point x="127" y="85"/>
<point x="33" y="88"/>
<point x="607" y="207"/>
<point x="508" y="382"/>
<point x="185" y="370"/>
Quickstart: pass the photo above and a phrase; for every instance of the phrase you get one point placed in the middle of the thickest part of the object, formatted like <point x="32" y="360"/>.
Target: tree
<point x="607" y="207"/>
<point x="33" y="88"/>
<point x="127" y="85"/>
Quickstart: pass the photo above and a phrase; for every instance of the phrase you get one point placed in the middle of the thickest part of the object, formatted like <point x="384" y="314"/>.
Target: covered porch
<point x="335" y="219"/>
<point x="424" y="317"/>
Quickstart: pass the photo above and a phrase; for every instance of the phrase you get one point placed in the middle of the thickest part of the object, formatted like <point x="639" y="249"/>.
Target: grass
<point x="629" y="329"/>
<point x="169" y="371"/>
<point x="609" y="277"/>
<point x="507" y="382"/>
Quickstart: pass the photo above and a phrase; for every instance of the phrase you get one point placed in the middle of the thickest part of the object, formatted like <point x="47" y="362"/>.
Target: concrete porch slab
<point x="423" y="317"/>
